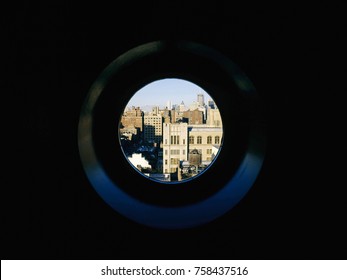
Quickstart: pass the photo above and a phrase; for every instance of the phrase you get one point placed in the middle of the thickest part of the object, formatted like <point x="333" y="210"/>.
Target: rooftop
<point x="204" y="128"/>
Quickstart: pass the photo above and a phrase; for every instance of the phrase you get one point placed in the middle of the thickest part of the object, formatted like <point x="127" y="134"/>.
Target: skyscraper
<point x="213" y="117"/>
<point x="153" y="128"/>
<point x="169" y="104"/>
<point x="200" y="99"/>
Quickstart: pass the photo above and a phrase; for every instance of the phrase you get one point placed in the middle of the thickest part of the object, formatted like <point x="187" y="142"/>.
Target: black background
<point x="295" y="57"/>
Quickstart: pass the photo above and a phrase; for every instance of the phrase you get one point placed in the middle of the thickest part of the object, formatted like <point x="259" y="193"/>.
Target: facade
<point x="153" y="128"/>
<point x="169" y="105"/>
<point x="200" y="99"/>
<point x="205" y="139"/>
<point x="194" y="117"/>
<point x="180" y="139"/>
<point x="133" y="118"/>
<point x="166" y="114"/>
<point x="213" y="118"/>
<point x="174" y="116"/>
<point x="175" y="140"/>
<point x="155" y="110"/>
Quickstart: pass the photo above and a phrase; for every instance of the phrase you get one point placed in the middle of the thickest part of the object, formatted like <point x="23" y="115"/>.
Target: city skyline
<point x="171" y="145"/>
<point x="159" y="92"/>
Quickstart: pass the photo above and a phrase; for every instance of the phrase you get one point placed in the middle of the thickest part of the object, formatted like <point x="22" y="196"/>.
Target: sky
<point x="160" y="91"/>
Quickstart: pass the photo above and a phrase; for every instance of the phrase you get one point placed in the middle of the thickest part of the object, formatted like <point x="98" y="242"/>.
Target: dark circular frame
<point x="193" y="202"/>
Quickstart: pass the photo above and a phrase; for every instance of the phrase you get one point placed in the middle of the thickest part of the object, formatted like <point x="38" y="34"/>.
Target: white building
<point x="213" y="117"/>
<point x="175" y="140"/>
<point x="180" y="138"/>
<point x="139" y="161"/>
<point x="169" y="105"/>
<point x="205" y="139"/>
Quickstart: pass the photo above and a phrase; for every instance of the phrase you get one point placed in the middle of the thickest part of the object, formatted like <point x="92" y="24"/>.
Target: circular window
<point x="156" y="202"/>
<point x="171" y="131"/>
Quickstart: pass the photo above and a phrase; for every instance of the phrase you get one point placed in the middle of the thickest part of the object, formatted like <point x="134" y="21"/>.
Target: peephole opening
<point x="171" y="131"/>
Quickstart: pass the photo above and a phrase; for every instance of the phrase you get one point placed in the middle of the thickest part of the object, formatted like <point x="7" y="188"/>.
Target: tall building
<point x="200" y="99"/>
<point x="175" y="140"/>
<point x="169" y="105"/>
<point x="133" y="118"/>
<point x="166" y="114"/>
<point x="174" y="116"/>
<point x="155" y="110"/>
<point x="153" y="124"/>
<point x="213" y="117"/>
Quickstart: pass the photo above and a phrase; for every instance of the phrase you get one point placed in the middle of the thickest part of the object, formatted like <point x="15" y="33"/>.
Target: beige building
<point x="213" y="118"/>
<point x="205" y="139"/>
<point x="132" y="118"/>
<point x="194" y="116"/>
<point x="152" y="127"/>
<point x="180" y="138"/>
<point x="175" y="145"/>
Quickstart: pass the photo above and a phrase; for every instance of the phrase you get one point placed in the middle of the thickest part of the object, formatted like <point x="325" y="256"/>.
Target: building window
<point x="184" y="141"/>
<point x="178" y="139"/>
<point x="165" y="170"/>
<point x="184" y="152"/>
<point x="171" y="140"/>
<point x="209" y="139"/>
<point x="165" y="141"/>
<point x="166" y="152"/>
<point x="199" y="140"/>
<point x="209" y="151"/>
<point x="191" y="139"/>
<point x="166" y="162"/>
<point x="217" y="140"/>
